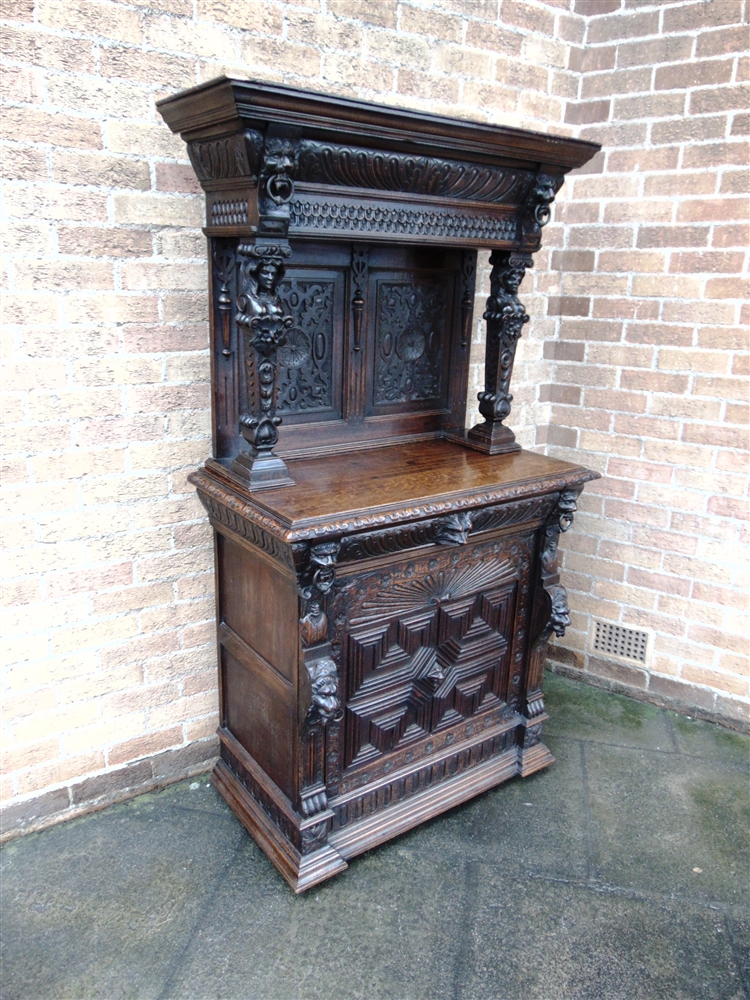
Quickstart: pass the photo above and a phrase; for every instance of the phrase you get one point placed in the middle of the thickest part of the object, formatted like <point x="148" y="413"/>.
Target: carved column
<point x="260" y="313"/>
<point x="505" y="317"/>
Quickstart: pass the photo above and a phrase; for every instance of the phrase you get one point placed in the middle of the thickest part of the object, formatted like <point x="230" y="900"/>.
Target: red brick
<point x="534" y="19"/>
<point x="706" y="262"/>
<point x="694" y="16"/>
<point x="654" y="51"/>
<point x="622" y="25"/>
<point x="646" y="333"/>
<point x="643" y="471"/>
<point x="615" y="84"/>
<point x="592" y="330"/>
<point x="718" y="154"/>
<point x="568" y="306"/>
<point x="689" y="130"/>
<point x="631" y="308"/>
<point x="717" y="99"/>
<point x="592" y="60"/>
<point x="713" y="210"/>
<point x="587" y="111"/>
<point x="728" y="507"/>
<point x="573" y="260"/>
<point x="658" y="581"/>
<point x="672" y="236"/>
<point x="595" y="8"/>
<point x="694" y="74"/>
<point x="730" y="236"/>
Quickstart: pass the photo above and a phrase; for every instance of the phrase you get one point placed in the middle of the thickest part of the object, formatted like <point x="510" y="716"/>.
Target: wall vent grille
<point x="612" y="640"/>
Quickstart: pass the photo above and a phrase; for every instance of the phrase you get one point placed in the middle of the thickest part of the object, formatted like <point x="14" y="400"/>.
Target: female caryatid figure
<point x="259" y="311"/>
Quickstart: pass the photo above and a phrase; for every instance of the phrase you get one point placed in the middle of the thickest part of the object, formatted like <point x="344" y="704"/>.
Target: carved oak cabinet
<point x="386" y="580"/>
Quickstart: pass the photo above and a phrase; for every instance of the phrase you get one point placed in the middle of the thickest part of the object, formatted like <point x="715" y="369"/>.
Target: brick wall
<point x="648" y="276"/>
<point x="109" y="677"/>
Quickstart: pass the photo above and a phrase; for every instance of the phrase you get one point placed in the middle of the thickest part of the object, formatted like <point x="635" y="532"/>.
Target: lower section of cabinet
<point x="309" y="851"/>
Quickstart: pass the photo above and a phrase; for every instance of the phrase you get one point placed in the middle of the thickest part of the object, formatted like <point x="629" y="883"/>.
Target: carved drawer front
<point x="429" y="644"/>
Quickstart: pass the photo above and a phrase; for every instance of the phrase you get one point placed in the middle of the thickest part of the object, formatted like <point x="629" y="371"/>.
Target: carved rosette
<point x="505" y="316"/>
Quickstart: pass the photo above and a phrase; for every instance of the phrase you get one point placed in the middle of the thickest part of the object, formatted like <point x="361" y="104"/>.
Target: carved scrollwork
<point x="231" y="156"/>
<point x="328" y="163"/>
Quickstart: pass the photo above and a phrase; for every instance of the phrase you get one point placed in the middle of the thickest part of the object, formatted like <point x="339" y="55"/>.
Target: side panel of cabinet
<point x="259" y="652"/>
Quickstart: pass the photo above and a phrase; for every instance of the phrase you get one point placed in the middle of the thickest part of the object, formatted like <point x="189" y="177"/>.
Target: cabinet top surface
<point x="401" y="482"/>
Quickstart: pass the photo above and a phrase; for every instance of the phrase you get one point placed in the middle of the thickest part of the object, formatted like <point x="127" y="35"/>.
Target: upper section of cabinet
<point x="339" y="168"/>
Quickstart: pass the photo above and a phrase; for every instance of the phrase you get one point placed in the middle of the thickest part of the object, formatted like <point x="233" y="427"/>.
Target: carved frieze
<point x="218" y="510"/>
<point x="308" y="212"/>
<point x="451" y="530"/>
<point x="351" y="166"/>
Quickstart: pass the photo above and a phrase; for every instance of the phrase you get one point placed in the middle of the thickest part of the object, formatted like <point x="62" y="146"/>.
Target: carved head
<point x="268" y="272"/>
<point x="560" y="616"/>
<point x="512" y="278"/>
<point x="325" y="685"/>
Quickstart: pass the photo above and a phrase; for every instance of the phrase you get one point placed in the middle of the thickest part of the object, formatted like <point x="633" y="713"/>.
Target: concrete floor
<point x="620" y="873"/>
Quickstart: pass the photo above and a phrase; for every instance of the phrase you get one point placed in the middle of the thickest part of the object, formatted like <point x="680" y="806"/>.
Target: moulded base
<point x="304" y="871"/>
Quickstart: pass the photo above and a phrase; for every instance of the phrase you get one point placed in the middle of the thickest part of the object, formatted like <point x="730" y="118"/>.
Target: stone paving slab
<point x="576" y="884"/>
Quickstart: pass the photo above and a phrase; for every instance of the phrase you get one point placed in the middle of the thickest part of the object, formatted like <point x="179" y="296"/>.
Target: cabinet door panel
<point x="429" y="643"/>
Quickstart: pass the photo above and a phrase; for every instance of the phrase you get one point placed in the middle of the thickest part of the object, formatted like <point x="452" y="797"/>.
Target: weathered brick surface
<point x="634" y="361"/>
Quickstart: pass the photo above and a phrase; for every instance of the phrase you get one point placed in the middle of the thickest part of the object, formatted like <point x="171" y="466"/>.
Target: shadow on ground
<point x="620" y="873"/>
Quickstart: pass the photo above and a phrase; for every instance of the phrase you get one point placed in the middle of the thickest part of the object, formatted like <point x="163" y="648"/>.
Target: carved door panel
<point x="410" y="322"/>
<point x="430" y="643"/>
<point x="309" y="379"/>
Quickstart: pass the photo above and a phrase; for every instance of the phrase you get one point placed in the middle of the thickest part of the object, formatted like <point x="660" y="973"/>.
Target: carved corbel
<point x="554" y="615"/>
<point x="505" y="316"/>
<point x="276" y="185"/>
<point x="538" y="209"/>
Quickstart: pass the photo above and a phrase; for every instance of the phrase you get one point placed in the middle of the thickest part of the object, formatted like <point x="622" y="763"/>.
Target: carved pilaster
<point x="359" y="281"/>
<point x="468" y="279"/>
<point x="505" y="316"/>
<point x="552" y="600"/>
